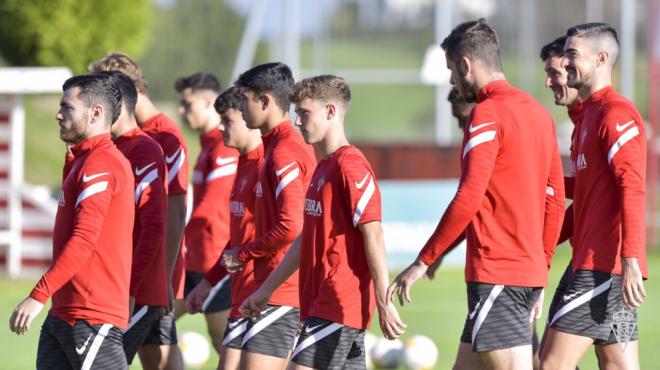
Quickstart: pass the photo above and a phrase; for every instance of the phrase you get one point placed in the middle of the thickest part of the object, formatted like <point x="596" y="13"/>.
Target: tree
<point x="72" y="33"/>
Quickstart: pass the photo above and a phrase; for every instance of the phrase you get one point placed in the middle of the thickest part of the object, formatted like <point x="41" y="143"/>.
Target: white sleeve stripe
<point x="631" y="133"/>
<point x="175" y="169"/>
<point x="364" y="200"/>
<point x="144" y="184"/>
<point x="91" y="190"/>
<point x="223" y="171"/>
<point x="286" y="181"/>
<point x="483" y="137"/>
<point x="550" y="191"/>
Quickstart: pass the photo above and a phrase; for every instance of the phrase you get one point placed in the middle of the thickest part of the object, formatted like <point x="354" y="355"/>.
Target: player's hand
<point x="537" y="309"/>
<point x="430" y="272"/>
<point x="405" y="280"/>
<point x="255" y="304"/>
<point x="390" y="322"/>
<point x="170" y="298"/>
<point x="23" y="315"/>
<point x="632" y="283"/>
<point x="197" y="296"/>
<point x="230" y="260"/>
<point x="131" y="306"/>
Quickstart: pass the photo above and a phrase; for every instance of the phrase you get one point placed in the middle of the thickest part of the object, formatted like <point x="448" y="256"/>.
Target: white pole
<point x="443" y="125"/>
<point x="527" y="45"/>
<point x="627" y="52"/>
<point x="594" y="10"/>
<point x="250" y="38"/>
<point x="291" y="47"/>
<point x="15" y="180"/>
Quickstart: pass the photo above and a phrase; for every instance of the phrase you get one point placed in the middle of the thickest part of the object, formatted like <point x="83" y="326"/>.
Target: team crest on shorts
<point x="623" y="325"/>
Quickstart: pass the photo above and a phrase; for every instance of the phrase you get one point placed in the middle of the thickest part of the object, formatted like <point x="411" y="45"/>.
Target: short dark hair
<point x="198" y="81"/>
<point x="127" y="89"/>
<point x="554" y="48"/>
<point x="228" y="99"/>
<point x="275" y="78"/>
<point x="475" y="39"/>
<point x="593" y="30"/>
<point x="97" y="89"/>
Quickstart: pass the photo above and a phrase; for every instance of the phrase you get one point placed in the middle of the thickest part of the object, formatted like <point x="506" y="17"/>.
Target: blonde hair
<point x="324" y="88"/>
<point x="122" y="63"/>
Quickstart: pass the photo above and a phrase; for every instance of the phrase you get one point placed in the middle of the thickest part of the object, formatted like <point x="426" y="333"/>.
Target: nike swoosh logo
<point x="81" y="350"/>
<point x="223" y="161"/>
<point x="476" y="309"/>
<point x="360" y="184"/>
<point x="473" y="128"/>
<point x="92" y="177"/>
<point x="568" y="297"/>
<point x="281" y="171"/>
<point x="620" y="128"/>
<point x="140" y="171"/>
<point x="310" y="329"/>
<point x="170" y="159"/>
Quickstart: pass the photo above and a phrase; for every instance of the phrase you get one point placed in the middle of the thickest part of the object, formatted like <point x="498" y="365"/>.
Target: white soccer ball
<point x="194" y="349"/>
<point x="420" y="353"/>
<point x="369" y="341"/>
<point x="386" y="354"/>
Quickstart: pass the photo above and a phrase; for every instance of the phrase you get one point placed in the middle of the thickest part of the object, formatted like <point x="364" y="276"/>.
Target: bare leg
<point x="257" y="361"/>
<point x="515" y="358"/>
<point x="466" y="359"/>
<point x="160" y="357"/>
<point x="230" y="358"/>
<point x="563" y="350"/>
<point x="612" y="357"/>
<point x="216" y="323"/>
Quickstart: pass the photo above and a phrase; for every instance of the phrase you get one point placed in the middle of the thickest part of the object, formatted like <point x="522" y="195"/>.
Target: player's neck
<point x="250" y="144"/>
<point x="483" y="79"/>
<point x="333" y="140"/>
<point x="212" y="124"/>
<point x="273" y="119"/>
<point x="598" y="83"/>
<point x="122" y="126"/>
<point x="144" y="109"/>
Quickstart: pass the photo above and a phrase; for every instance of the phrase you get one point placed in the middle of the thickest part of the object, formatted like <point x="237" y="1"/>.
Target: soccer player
<point x="280" y="193"/>
<point x="609" y="252"/>
<point x="341" y="253"/>
<point x="149" y="287"/>
<point x="241" y="223"/>
<point x="90" y="274"/>
<point x="160" y="350"/>
<point x="207" y="231"/>
<point x="510" y="202"/>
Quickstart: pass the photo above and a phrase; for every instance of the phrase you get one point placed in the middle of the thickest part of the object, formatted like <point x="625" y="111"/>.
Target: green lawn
<point x="438" y="311"/>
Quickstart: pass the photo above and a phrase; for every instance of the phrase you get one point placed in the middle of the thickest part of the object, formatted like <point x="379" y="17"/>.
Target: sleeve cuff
<point x="38" y="296"/>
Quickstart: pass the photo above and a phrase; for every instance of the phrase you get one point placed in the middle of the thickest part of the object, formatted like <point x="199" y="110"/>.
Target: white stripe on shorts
<point x="316" y="337"/>
<point x="137" y="316"/>
<point x="261" y="325"/>
<point x="96" y="345"/>
<point x="481" y="317"/>
<point x="238" y="330"/>
<point x="213" y="292"/>
<point x="584" y="298"/>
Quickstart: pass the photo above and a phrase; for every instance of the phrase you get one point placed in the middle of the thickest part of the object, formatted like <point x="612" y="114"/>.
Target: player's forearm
<point x="176" y="219"/>
<point x="374" y="246"/>
<point x="554" y="207"/>
<point x="285" y="269"/>
<point x="217" y="271"/>
<point x="633" y="223"/>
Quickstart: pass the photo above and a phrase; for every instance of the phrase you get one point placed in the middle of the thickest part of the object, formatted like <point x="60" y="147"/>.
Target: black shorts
<point x="163" y="331"/>
<point x="592" y="306"/>
<point x="81" y="346"/>
<point x="236" y="328"/>
<point x="274" y="333"/>
<point x="219" y="298"/>
<point x="324" y="344"/>
<point x="562" y="287"/>
<point x="138" y="328"/>
<point x="498" y="316"/>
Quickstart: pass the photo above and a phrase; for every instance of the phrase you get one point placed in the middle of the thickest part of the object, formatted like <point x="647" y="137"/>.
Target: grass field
<point x="438" y="311"/>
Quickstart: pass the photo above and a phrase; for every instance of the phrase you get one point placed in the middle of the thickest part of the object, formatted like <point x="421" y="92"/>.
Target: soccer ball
<point x="369" y="341"/>
<point x="420" y="353"/>
<point x="194" y="349"/>
<point x="386" y="354"/>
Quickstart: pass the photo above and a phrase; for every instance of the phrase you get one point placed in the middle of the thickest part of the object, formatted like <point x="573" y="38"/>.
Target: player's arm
<point x="567" y="225"/>
<point x="219" y="182"/>
<point x="257" y="301"/>
<point x="554" y="206"/>
<point x="91" y="206"/>
<point x="151" y="203"/>
<point x="289" y="195"/>
<point x="390" y="322"/>
<point x="479" y="155"/>
<point x="623" y="140"/>
<point x="569" y="186"/>
<point x="176" y="220"/>
<point x="430" y="272"/>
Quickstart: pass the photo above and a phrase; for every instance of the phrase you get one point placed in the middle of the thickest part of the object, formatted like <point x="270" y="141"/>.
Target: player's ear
<point x="265" y="100"/>
<point x="97" y="113"/>
<point x="602" y="57"/>
<point x="330" y="110"/>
